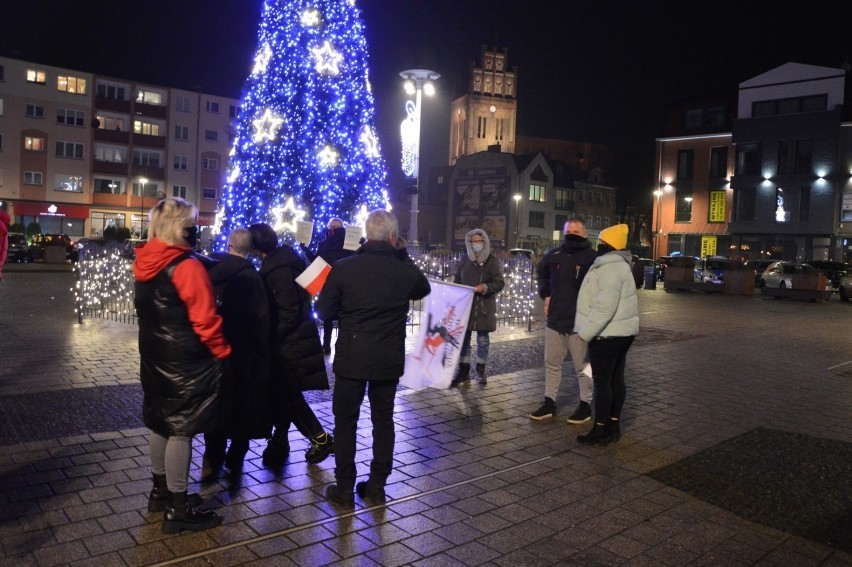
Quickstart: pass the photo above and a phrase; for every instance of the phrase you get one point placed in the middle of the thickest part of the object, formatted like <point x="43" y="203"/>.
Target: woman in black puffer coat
<point x="297" y="358"/>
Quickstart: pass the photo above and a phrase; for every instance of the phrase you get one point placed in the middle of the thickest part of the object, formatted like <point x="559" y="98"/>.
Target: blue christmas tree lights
<point x="306" y="144"/>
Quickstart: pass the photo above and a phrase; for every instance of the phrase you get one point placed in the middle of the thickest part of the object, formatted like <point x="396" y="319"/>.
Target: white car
<point x="780" y="274"/>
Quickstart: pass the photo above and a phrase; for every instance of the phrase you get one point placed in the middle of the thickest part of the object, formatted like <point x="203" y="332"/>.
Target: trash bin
<point x="650" y="278"/>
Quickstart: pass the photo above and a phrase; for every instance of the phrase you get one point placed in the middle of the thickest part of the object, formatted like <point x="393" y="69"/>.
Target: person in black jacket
<point x="181" y="344"/>
<point x="297" y="359"/>
<point x="244" y="307"/>
<point x="331" y="250"/>
<point x="482" y="271"/>
<point x="369" y="294"/>
<point x="560" y="273"/>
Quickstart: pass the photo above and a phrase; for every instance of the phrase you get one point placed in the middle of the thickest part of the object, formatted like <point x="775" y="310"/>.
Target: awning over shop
<point x="205" y="219"/>
<point x="50" y="210"/>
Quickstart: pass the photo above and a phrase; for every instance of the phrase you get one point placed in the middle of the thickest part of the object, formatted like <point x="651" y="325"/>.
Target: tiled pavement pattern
<point x="477" y="482"/>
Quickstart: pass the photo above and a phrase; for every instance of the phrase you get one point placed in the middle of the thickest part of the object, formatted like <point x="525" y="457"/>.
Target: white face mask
<point x="477" y="247"/>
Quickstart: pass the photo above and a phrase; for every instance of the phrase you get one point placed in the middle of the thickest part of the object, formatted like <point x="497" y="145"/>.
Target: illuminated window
<point x="34" y="76"/>
<point x="69" y="183"/>
<point x="481" y="127"/>
<point x="34" y="111"/>
<point x="149" y="97"/>
<point x="70" y="117"/>
<point x="537" y="193"/>
<point x="782" y="207"/>
<point x="70" y="150"/>
<point x="34" y="144"/>
<point x="112" y="154"/>
<point x="180" y="163"/>
<point x="210" y="163"/>
<point x="33" y="178"/>
<point x="146" y="128"/>
<point x="69" y="84"/>
<point x="683" y="207"/>
<point x="108" y="122"/>
<point x="179" y="191"/>
<point x="110" y="186"/>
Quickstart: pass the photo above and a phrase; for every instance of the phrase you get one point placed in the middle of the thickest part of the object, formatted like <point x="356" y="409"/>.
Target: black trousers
<point x="291" y="407"/>
<point x="346" y="405"/>
<point x="608" y="357"/>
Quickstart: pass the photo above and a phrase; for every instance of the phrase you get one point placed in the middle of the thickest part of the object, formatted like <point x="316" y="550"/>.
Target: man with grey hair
<point x="369" y="294"/>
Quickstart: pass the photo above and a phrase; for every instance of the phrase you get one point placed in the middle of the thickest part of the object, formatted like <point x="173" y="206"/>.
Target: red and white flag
<point x="443" y="322"/>
<point x="313" y="278"/>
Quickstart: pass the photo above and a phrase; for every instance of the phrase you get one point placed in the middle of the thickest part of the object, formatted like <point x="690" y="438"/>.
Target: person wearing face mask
<point x="608" y="320"/>
<point x="481" y="271"/>
<point x="560" y="273"/>
<point x="181" y="346"/>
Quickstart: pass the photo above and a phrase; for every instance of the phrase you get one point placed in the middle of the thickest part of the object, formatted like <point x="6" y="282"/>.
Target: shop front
<point x="54" y="218"/>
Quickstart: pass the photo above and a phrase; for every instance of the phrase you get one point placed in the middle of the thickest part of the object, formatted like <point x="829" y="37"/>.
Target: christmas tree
<point x="306" y="146"/>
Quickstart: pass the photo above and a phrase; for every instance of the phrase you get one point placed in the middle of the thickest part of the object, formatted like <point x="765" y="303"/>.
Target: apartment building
<point x="80" y="152"/>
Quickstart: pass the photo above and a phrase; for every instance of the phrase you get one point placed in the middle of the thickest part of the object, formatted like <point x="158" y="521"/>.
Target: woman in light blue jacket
<point x="608" y="320"/>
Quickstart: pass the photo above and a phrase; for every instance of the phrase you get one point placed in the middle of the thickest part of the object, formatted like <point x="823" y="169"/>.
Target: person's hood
<point x="574" y="246"/>
<point x="226" y="266"/>
<point x="283" y="255"/>
<point x="153" y="256"/>
<point x="486" y="252"/>
<point x="615" y="256"/>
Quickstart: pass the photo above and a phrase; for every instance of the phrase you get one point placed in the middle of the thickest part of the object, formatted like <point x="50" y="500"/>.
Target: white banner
<point x="443" y="323"/>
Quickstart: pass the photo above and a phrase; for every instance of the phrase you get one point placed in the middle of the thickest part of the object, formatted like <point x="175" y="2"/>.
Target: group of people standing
<point x="227" y="350"/>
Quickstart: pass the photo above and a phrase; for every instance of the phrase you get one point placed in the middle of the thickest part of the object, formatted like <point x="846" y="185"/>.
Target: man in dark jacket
<point x="560" y="273"/>
<point x="297" y="360"/>
<point x="244" y="306"/>
<point x="369" y="294"/>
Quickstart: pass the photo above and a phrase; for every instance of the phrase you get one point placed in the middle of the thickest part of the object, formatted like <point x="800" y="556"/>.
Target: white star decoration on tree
<point x="261" y="60"/>
<point x="327" y="59"/>
<point x="266" y="127"/>
<point x="328" y="157"/>
<point x="371" y="143"/>
<point x="287" y="216"/>
<point x="311" y="18"/>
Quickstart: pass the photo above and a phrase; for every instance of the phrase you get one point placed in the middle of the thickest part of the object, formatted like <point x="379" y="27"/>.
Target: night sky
<point x="597" y="71"/>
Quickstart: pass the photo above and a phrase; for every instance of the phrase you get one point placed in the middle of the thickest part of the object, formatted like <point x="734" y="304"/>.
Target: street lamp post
<point x="142" y="182"/>
<point x="417" y="81"/>
<point x="658" y="217"/>
<point x="517" y="199"/>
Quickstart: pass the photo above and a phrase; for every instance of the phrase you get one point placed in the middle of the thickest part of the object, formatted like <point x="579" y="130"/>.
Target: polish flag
<point x="314" y="277"/>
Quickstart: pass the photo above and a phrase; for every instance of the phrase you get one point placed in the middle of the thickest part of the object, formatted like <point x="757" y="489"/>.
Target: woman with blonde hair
<point x="181" y="345"/>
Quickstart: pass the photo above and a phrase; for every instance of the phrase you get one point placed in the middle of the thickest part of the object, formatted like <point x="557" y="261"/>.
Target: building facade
<point x="772" y="183"/>
<point x="81" y="152"/>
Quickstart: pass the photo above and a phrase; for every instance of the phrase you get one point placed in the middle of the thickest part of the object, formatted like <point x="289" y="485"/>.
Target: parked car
<point x="674" y="260"/>
<point x="638" y="267"/>
<point x="846" y="287"/>
<point x="759" y="266"/>
<point x="712" y="268"/>
<point x="17" y="248"/>
<point x="780" y="274"/>
<point x="833" y="270"/>
<point x="42" y="241"/>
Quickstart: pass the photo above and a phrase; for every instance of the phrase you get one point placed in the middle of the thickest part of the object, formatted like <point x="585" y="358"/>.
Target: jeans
<point x="608" y="357"/>
<point x="556" y="346"/>
<point x="346" y="405"/>
<point x="483" y="343"/>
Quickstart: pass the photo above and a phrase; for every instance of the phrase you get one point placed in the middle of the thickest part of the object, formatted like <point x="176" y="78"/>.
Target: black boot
<point x="599" y="435"/>
<point x="181" y="515"/>
<point x="277" y="450"/>
<point x="159" y="497"/>
<point x="463" y="375"/>
<point x="614" y="430"/>
<point x="483" y="377"/>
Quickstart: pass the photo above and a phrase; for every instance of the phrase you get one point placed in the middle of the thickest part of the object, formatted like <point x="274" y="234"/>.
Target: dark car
<point x="759" y="266"/>
<point x="665" y="261"/>
<point x="833" y="270"/>
<point x="42" y="241"/>
<point x="17" y="248"/>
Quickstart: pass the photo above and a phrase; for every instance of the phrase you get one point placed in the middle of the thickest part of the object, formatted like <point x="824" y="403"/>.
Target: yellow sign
<point x="708" y="246"/>
<point x="716" y="210"/>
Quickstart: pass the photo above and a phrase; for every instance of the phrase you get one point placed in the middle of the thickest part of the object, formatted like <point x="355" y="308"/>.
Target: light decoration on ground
<point x="311" y="73"/>
<point x="105" y="283"/>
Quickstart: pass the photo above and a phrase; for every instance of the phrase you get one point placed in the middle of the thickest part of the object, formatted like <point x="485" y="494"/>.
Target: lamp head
<point x="409" y="87"/>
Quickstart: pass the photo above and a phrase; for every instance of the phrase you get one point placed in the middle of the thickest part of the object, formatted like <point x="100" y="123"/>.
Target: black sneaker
<point x="547" y="409"/>
<point x="369" y="491"/>
<point x="277" y="449"/>
<point x="320" y="450"/>
<point x="582" y="414"/>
